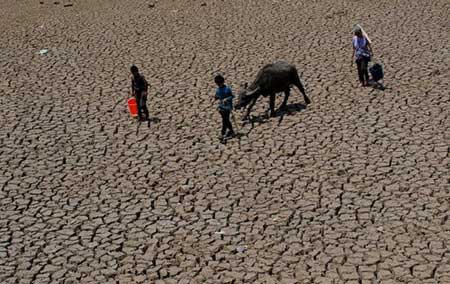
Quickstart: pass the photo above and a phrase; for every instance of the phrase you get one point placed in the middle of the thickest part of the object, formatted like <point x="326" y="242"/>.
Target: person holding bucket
<point x="362" y="53"/>
<point x="139" y="90"/>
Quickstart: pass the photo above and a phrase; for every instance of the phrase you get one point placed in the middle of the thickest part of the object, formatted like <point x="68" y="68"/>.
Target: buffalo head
<point x="244" y="96"/>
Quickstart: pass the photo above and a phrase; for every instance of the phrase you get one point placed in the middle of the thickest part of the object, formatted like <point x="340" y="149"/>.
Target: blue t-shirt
<point x="225" y="95"/>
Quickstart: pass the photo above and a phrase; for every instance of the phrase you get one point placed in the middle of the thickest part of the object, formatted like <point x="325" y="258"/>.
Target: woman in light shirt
<point x="362" y="53"/>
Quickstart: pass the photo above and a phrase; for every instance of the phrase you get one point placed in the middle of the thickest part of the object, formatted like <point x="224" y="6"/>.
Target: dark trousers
<point x="362" y="64"/>
<point x="141" y="100"/>
<point x="226" y="123"/>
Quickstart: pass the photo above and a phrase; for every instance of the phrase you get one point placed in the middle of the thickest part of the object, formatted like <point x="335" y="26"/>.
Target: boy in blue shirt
<point x="225" y="97"/>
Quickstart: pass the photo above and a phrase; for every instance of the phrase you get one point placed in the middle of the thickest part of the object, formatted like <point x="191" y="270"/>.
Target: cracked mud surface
<point x="354" y="188"/>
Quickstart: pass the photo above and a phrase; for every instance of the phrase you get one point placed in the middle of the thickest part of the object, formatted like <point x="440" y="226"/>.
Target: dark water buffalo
<point x="271" y="79"/>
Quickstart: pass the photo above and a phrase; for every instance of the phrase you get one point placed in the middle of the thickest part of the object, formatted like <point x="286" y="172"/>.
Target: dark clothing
<point x="139" y="84"/>
<point x="139" y="87"/>
<point x="141" y="100"/>
<point x="362" y="64"/>
<point x="226" y="123"/>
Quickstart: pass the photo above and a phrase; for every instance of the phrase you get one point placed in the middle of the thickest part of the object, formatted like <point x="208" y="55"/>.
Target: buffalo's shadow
<point x="256" y="119"/>
<point x="290" y="109"/>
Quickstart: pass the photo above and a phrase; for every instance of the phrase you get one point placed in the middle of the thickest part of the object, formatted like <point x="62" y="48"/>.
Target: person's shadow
<point x="377" y="85"/>
<point x="154" y="120"/>
<point x="148" y="123"/>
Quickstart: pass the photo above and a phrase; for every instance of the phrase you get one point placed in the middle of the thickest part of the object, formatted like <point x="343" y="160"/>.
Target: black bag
<point x="377" y="72"/>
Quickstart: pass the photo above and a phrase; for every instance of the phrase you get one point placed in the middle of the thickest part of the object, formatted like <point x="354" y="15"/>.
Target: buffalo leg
<point x="302" y="90"/>
<point x="307" y="101"/>
<point x="272" y="105"/>
<point x="285" y="100"/>
<point x="249" y="109"/>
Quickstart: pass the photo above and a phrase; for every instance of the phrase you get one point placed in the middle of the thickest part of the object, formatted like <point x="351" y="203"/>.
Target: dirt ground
<point x="353" y="188"/>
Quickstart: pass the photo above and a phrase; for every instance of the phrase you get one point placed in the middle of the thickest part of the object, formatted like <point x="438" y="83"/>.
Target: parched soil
<point x="353" y="188"/>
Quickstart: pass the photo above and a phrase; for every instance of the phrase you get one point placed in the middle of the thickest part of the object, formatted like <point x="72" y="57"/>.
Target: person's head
<point x="134" y="70"/>
<point x="219" y="80"/>
<point x="358" y="32"/>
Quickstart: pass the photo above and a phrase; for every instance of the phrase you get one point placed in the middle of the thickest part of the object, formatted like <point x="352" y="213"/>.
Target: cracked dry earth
<point x="354" y="188"/>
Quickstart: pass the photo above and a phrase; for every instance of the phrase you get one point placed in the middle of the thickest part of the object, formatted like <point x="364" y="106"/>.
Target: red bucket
<point x="132" y="107"/>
